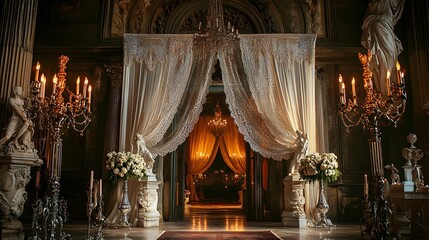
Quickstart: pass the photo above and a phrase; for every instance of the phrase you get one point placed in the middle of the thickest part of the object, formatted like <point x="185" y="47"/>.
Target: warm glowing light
<point x="77" y="85"/>
<point x="217" y="124"/>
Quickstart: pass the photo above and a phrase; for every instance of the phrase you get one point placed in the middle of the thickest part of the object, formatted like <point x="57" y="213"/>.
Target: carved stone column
<point x="17" y="24"/>
<point x="14" y="176"/>
<point x="148" y="204"/>
<point x="294" y="214"/>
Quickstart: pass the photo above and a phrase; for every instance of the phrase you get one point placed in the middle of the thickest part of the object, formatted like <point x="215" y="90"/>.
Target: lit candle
<point x="354" y="91"/>
<point x="365" y="186"/>
<point x="85" y="86"/>
<point x="402" y="78"/>
<point x="343" y="91"/>
<point x="101" y="188"/>
<point x="89" y="94"/>
<point x="91" y="180"/>
<point x="388" y="83"/>
<point x="36" y="78"/>
<point x="77" y="85"/>
<point x="42" y="89"/>
<point x="54" y="86"/>
<point x="340" y="83"/>
<point x="398" y="71"/>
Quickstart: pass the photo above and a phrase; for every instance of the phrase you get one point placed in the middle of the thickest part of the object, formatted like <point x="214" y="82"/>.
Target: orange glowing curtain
<point x="200" y="153"/>
<point x="233" y="147"/>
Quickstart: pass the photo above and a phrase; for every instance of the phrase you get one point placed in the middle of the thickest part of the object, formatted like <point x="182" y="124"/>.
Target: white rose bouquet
<point x="124" y="165"/>
<point x="322" y="167"/>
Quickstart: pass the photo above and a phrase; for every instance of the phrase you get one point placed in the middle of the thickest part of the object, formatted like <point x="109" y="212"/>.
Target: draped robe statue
<point x="379" y="38"/>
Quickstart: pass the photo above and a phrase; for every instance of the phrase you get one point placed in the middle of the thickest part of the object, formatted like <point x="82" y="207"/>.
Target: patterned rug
<point x="218" y="235"/>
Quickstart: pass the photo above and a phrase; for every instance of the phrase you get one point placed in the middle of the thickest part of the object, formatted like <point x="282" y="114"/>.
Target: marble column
<point x="14" y="176"/>
<point x="17" y="24"/>
<point x="148" y="204"/>
<point x="294" y="214"/>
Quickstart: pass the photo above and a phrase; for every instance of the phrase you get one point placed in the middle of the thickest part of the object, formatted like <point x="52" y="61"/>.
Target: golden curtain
<point x="233" y="147"/>
<point x="200" y="152"/>
<point x="203" y="146"/>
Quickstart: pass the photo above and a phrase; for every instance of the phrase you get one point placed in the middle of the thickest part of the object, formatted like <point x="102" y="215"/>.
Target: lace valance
<point x="154" y="48"/>
<point x="286" y="48"/>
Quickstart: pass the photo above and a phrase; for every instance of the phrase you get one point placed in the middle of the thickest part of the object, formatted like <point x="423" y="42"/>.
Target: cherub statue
<point x="302" y="150"/>
<point x="19" y="131"/>
<point x="147" y="156"/>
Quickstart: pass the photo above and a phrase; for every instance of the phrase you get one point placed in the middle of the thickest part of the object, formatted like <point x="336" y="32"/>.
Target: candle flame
<point x="353" y="80"/>
<point x="55" y="80"/>
<point x="89" y="88"/>
<point x="388" y="74"/>
<point x="38" y="66"/>
<point x="86" y="81"/>
<point x="78" y="80"/>
<point x="398" y="66"/>
<point x="43" y="78"/>
<point x="340" y="79"/>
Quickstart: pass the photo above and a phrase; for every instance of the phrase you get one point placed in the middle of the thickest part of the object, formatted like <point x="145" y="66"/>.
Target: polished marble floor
<point x="219" y="218"/>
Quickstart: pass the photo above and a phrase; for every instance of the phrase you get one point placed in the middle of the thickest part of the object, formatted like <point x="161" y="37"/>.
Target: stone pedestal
<point x="294" y="214"/>
<point x="14" y="176"/>
<point x="148" y="203"/>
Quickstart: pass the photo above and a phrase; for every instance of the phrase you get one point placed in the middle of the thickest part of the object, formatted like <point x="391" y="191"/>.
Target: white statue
<point x="379" y="38"/>
<point x="147" y="156"/>
<point x="19" y="131"/>
<point x="302" y="150"/>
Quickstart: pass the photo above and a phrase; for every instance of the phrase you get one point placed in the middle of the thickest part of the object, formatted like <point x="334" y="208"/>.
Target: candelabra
<point x="217" y="124"/>
<point x="96" y="219"/>
<point x="52" y="114"/>
<point x="375" y="111"/>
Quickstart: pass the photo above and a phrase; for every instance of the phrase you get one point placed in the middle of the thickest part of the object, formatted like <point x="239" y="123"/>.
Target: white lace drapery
<point x="270" y="89"/>
<point x="158" y="71"/>
<point x="268" y="82"/>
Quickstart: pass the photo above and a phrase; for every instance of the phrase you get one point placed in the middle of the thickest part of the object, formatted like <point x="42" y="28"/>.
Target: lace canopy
<point x="268" y="81"/>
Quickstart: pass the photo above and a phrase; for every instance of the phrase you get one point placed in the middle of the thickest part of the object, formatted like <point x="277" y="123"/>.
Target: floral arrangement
<point x="322" y="167"/>
<point x="124" y="165"/>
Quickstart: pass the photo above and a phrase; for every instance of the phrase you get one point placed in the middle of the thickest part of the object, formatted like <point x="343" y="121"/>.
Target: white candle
<point x="36" y="78"/>
<point x="388" y="83"/>
<point x="77" y="85"/>
<point x="365" y="186"/>
<point x="398" y="71"/>
<point x="340" y="83"/>
<point x="42" y="88"/>
<point x="354" y="91"/>
<point x="54" y="86"/>
<point x="85" y="86"/>
<point x="101" y="188"/>
<point x="89" y="94"/>
<point x="402" y="78"/>
<point x="343" y="91"/>
<point x="91" y="180"/>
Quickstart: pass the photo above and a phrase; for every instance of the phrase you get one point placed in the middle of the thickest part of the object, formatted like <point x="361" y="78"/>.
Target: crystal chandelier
<point x="217" y="124"/>
<point x="215" y="23"/>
